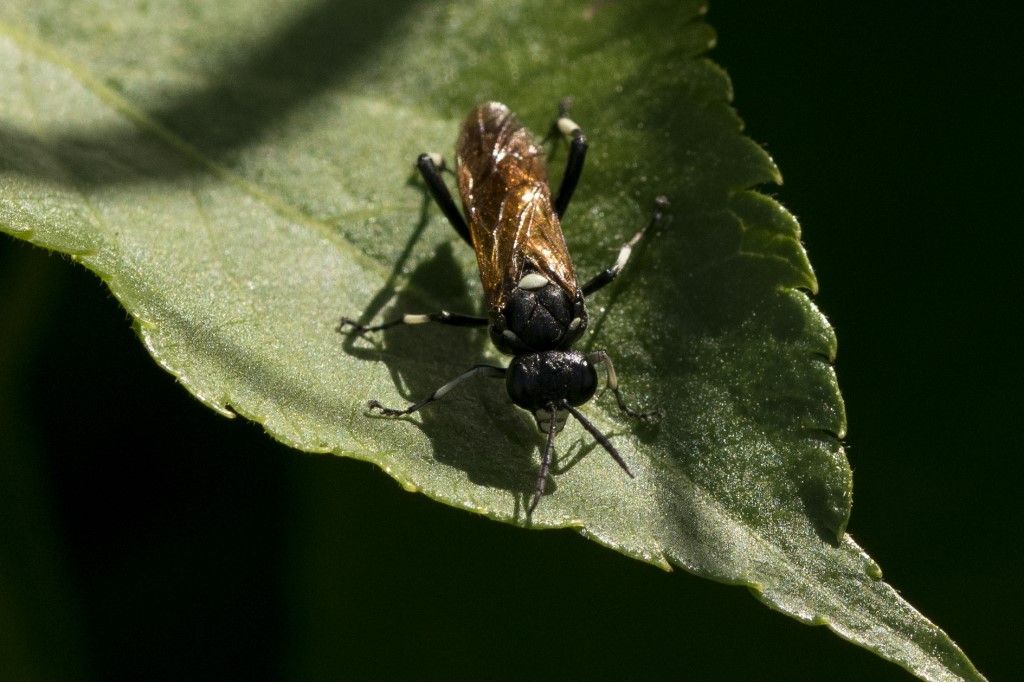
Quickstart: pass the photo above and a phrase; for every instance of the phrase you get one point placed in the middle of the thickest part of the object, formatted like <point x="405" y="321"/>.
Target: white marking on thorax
<point x="437" y="159"/>
<point x="532" y="281"/>
<point x="415" y="318"/>
<point x="576" y="322"/>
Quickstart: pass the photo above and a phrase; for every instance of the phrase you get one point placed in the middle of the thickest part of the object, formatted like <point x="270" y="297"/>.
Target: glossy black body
<point x="543" y="319"/>
<point x="539" y="380"/>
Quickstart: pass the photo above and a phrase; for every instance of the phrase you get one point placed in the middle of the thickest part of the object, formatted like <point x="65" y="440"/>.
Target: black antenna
<point x="599" y="437"/>
<point x="545" y="461"/>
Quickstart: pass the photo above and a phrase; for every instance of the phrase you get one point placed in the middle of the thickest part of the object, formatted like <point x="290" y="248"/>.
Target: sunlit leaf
<point x="241" y="177"/>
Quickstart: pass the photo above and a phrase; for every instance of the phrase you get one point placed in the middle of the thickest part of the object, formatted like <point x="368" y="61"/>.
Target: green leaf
<point x="241" y="178"/>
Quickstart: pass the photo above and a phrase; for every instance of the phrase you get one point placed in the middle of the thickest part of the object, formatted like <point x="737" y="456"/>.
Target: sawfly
<point x="535" y="305"/>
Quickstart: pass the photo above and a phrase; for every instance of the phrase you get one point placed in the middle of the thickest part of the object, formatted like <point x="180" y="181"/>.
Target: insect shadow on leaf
<point x="423" y="358"/>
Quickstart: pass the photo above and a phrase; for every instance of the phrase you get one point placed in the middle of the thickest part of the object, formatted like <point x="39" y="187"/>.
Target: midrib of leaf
<point x="146" y="123"/>
<point x="40" y="133"/>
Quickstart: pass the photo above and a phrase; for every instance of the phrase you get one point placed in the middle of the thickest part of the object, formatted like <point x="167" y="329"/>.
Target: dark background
<point x="142" y="535"/>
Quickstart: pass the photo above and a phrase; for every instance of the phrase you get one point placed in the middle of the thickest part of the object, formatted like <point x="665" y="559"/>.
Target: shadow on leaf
<point x="319" y="50"/>
<point x="422" y="358"/>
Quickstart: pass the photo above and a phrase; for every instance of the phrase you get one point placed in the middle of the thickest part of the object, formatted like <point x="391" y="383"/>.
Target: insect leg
<point x="577" y="153"/>
<point x="609" y="274"/>
<point x="485" y="370"/>
<point x="350" y="326"/>
<point x="428" y="168"/>
<point x="599" y="357"/>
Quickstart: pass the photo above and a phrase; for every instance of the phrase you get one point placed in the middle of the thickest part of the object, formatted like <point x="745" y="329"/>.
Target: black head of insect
<point x="539" y="315"/>
<point x="545" y="382"/>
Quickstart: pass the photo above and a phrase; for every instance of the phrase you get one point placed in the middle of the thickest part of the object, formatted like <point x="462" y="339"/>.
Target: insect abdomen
<point x="507" y="202"/>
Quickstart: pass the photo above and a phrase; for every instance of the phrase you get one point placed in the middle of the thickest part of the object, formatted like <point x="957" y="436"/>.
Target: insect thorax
<point x="538" y="315"/>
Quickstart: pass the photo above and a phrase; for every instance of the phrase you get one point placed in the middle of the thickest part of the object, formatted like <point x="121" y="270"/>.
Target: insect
<point x="535" y="304"/>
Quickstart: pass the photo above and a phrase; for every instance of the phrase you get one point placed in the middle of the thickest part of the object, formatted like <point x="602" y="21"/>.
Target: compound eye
<point x="582" y="383"/>
<point x="521" y="382"/>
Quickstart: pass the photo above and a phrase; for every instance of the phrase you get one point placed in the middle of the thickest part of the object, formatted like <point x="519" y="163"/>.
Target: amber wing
<point x="505" y="195"/>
